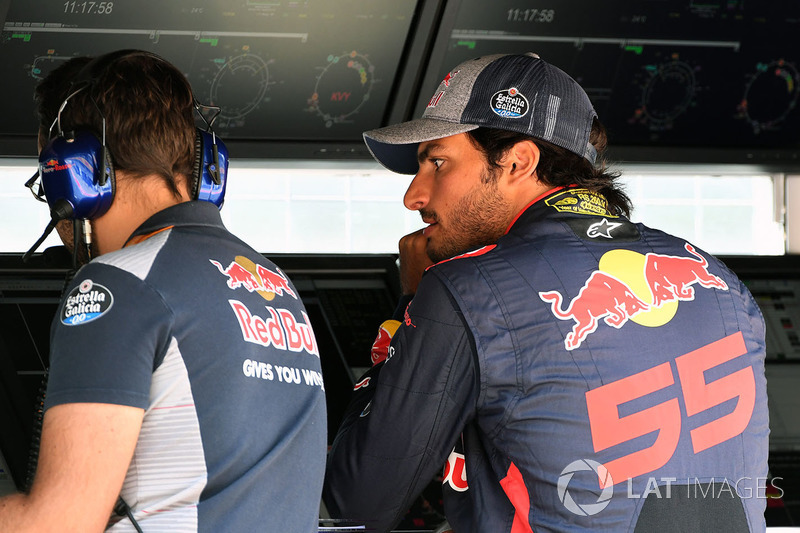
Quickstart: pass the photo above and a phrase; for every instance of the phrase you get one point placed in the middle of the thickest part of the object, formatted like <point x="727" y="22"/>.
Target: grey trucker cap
<point x="516" y="92"/>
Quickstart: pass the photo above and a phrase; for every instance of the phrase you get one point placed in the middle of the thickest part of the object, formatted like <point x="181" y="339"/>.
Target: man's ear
<point x="521" y="161"/>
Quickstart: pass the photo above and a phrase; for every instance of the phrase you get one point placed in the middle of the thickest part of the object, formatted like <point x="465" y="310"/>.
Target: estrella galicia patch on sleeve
<point x="86" y="302"/>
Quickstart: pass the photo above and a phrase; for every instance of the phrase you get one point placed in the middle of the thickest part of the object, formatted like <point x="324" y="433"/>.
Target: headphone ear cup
<point x="79" y="170"/>
<point x="210" y="170"/>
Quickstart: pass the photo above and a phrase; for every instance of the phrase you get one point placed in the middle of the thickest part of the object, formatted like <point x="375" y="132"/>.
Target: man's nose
<point x="418" y="193"/>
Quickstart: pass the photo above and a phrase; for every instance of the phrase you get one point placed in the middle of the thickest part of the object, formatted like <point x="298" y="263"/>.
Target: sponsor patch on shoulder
<point x="86" y="302"/>
<point x="581" y="201"/>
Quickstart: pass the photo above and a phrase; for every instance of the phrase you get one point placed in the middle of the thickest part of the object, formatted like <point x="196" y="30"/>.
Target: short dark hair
<point x="148" y="106"/>
<point x="558" y="166"/>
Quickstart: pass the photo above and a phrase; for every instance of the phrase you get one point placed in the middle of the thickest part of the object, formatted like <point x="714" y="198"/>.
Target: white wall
<point x="356" y="207"/>
<point x="792" y="199"/>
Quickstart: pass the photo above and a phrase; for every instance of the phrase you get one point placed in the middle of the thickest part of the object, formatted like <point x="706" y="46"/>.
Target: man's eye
<point x="437" y="163"/>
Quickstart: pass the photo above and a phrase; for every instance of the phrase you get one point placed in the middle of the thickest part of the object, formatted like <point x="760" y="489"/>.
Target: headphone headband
<point x="79" y="169"/>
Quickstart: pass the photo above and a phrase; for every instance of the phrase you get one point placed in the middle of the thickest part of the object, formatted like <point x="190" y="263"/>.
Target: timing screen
<point x="660" y="72"/>
<point x="289" y="70"/>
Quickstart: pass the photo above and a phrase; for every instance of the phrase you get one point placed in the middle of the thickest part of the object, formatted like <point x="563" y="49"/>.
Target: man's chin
<point x="434" y="255"/>
<point x="442" y="253"/>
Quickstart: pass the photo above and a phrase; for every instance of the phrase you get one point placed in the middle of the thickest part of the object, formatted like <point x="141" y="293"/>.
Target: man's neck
<point x="135" y="200"/>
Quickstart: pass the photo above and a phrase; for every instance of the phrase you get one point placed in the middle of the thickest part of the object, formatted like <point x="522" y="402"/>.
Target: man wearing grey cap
<point x="562" y="368"/>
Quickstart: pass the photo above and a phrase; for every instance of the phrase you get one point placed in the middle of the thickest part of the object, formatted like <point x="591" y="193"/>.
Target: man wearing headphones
<point x="570" y="369"/>
<point x="181" y="392"/>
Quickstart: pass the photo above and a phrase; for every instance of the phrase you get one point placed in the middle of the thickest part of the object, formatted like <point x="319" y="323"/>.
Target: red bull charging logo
<point x="242" y="272"/>
<point x="645" y="289"/>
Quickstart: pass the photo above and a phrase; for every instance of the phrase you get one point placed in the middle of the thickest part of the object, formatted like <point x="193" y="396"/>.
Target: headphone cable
<point x="123" y="509"/>
<point x="61" y="211"/>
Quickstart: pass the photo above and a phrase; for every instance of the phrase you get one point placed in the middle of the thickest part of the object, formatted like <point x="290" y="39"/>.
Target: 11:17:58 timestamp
<point x="88" y="7"/>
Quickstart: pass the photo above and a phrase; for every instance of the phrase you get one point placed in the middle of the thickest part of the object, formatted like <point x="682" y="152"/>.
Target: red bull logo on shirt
<point x="380" y="347"/>
<point x="671" y="278"/>
<point x="278" y="329"/>
<point x="455" y="472"/>
<point x="627" y="286"/>
<point x="602" y="297"/>
<point x="242" y="272"/>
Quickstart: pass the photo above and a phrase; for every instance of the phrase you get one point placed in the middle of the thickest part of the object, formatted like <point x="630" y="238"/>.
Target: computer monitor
<point x="294" y="78"/>
<point x="673" y="81"/>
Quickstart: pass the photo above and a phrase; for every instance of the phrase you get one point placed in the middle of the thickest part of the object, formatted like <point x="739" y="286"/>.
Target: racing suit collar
<point x="537" y="199"/>
<point x="568" y="201"/>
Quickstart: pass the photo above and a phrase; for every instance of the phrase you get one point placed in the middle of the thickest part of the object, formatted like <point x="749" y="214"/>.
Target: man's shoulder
<point x="137" y="259"/>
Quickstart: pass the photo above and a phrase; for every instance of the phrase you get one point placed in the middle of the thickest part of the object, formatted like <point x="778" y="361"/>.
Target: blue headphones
<point x="78" y="167"/>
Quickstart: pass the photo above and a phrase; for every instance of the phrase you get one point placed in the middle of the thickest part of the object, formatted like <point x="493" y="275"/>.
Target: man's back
<point x="217" y="349"/>
<point x="621" y="379"/>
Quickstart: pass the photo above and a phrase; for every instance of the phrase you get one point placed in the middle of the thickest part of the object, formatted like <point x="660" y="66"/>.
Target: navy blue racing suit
<point x="584" y="373"/>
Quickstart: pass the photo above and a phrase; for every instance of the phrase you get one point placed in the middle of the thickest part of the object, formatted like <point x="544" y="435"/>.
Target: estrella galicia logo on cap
<point x="86" y="302"/>
<point x="510" y="103"/>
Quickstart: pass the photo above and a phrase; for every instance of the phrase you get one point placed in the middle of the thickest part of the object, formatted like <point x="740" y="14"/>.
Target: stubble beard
<point x="478" y="219"/>
<point x="66" y="232"/>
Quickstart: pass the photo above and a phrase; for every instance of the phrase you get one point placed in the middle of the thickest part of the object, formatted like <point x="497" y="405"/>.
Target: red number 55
<point x="609" y="429"/>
